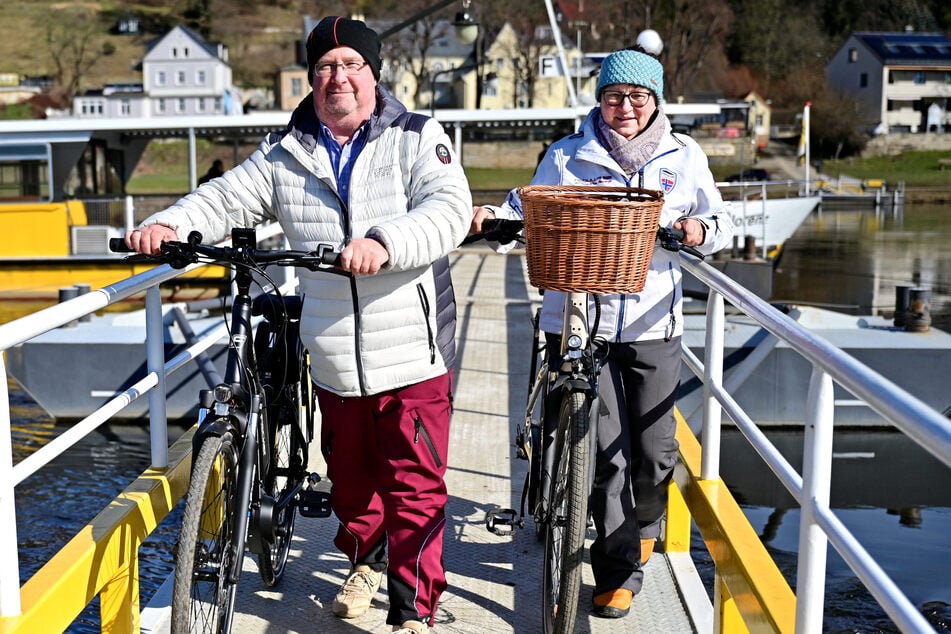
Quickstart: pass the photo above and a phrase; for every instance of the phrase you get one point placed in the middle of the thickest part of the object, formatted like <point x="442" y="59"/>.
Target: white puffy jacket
<point x="366" y="334"/>
<point x="680" y="170"/>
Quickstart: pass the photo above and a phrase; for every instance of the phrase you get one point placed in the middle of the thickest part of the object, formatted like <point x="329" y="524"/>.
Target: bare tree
<point x="75" y="43"/>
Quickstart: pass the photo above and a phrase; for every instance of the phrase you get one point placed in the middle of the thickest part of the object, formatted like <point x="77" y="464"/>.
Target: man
<point x="355" y="169"/>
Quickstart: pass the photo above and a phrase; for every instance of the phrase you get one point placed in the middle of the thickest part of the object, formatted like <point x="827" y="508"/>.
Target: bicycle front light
<point x="574" y="346"/>
<point x="223" y="394"/>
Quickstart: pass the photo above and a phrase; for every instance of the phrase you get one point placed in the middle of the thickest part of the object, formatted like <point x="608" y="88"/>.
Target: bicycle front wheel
<point x="203" y="598"/>
<point x="567" y="517"/>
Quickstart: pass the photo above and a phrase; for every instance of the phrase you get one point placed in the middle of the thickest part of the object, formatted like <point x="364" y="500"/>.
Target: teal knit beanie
<point x="632" y="67"/>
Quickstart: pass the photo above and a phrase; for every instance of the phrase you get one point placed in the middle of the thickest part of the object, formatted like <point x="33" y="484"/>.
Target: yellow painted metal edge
<point x="758" y="588"/>
<point x="102" y="554"/>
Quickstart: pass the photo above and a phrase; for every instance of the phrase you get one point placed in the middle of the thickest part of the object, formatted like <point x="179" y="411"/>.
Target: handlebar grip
<point x="117" y="245"/>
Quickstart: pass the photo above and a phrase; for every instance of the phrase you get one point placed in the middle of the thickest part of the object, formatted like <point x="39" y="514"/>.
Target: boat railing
<point x="152" y="385"/>
<point x="819" y="525"/>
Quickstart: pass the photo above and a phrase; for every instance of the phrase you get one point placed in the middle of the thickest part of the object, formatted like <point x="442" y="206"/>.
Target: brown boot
<point x="613" y="604"/>
<point x="647" y="547"/>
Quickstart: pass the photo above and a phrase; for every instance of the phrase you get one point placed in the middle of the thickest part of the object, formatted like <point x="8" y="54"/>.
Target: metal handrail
<point x="819" y="526"/>
<point x="152" y="384"/>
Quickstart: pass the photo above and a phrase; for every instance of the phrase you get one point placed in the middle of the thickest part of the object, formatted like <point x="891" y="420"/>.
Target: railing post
<point x="155" y="363"/>
<point x="816" y="478"/>
<point x="129" y="213"/>
<point x="712" y="375"/>
<point x="9" y="562"/>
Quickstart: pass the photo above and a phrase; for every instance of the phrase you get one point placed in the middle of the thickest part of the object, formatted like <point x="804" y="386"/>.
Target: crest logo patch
<point x="668" y="180"/>
<point x="442" y="153"/>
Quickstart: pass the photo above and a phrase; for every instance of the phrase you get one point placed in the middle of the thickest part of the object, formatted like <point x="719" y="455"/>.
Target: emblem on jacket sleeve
<point x="442" y="153"/>
<point x="667" y="180"/>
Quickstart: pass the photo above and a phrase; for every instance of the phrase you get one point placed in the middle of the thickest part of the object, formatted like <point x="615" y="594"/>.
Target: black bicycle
<point x="249" y="475"/>
<point x="560" y="448"/>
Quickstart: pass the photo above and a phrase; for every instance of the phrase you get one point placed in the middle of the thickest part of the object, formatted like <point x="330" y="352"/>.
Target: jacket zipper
<point x="424" y="301"/>
<point x="421" y="429"/>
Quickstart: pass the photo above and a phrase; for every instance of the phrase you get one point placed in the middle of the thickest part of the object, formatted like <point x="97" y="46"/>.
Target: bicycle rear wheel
<point x="287" y="422"/>
<point x="567" y="517"/>
<point x="203" y="598"/>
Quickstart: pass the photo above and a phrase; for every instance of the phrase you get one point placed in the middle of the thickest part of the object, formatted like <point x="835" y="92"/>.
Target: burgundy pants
<point x="386" y="458"/>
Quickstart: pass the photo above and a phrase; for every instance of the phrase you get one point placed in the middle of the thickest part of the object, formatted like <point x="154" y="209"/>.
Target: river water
<point x="896" y="498"/>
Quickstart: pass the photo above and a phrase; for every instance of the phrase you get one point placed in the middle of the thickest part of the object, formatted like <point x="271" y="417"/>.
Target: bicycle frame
<point x="242" y="408"/>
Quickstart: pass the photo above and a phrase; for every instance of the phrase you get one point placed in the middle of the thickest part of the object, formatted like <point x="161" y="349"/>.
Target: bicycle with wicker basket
<point x="586" y="241"/>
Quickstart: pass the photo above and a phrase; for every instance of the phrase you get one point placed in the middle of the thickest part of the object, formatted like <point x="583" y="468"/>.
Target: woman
<point x="627" y="141"/>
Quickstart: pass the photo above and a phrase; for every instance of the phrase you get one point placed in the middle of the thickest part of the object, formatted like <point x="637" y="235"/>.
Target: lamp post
<point x="468" y="32"/>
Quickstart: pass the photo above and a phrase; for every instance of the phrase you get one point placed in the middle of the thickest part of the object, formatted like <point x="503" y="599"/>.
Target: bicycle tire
<point x="203" y="597"/>
<point x="286" y="471"/>
<point x="567" y="517"/>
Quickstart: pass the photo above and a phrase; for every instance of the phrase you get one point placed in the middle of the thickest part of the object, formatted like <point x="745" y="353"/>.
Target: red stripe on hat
<point x="336" y="39"/>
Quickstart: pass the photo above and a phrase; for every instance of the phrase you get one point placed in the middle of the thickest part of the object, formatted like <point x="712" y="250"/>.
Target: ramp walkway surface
<point x="494" y="581"/>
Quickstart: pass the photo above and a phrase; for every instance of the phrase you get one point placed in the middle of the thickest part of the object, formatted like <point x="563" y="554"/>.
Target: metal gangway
<point x="749" y="592"/>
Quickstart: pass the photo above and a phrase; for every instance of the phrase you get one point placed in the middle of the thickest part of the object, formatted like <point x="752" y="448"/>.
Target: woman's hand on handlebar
<point x="479" y="215"/>
<point x="149" y="239"/>
<point x="693" y="231"/>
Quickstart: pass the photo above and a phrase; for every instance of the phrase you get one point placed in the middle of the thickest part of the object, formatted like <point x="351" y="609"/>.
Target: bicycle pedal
<point x="314" y="500"/>
<point x="502" y="521"/>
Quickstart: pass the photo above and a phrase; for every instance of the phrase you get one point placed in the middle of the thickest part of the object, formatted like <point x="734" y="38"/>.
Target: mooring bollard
<point x="902" y="297"/>
<point x="918" y="316"/>
<point x="66" y="294"/>
<point x="82" y="289"/>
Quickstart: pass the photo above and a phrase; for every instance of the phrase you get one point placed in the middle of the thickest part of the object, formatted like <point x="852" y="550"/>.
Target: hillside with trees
<point x="776" y="47"/>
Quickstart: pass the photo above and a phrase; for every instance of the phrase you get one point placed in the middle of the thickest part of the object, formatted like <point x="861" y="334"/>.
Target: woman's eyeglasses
<point x="329" y="70"/>
<point x="615" y="98"/>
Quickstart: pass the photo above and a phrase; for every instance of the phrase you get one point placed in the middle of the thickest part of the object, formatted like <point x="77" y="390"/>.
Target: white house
<point x="900" y="76"/>
<point x="182" y="75"/>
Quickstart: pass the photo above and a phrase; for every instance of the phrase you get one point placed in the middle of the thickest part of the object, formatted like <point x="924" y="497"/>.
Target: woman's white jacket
<point x="680" y="170"/>
<point x="366" y="334"/>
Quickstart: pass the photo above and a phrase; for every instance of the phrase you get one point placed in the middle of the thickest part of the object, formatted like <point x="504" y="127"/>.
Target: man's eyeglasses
<point x="329" y="70"/>
<point x="615" y="98"/>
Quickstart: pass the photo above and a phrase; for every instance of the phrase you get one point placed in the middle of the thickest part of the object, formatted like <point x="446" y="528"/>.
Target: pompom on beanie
<point x="632" y="67"/>
<point x="335" y="31"/>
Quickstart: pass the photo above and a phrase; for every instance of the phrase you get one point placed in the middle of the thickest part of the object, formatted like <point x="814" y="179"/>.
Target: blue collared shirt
<point x="342" y="157"/>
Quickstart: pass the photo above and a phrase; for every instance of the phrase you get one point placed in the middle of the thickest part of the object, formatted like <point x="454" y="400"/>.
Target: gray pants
<point x="637" y="451"/>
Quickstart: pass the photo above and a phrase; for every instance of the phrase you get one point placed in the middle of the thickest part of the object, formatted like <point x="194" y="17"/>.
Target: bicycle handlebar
<point x="504" y="231"/>
<point x="180" y="254"/>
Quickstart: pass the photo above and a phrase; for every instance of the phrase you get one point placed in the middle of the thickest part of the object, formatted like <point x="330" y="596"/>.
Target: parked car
<point x="748" y="175"/>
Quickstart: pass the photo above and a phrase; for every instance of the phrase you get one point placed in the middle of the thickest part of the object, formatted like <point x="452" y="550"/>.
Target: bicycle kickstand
<point x="503" y="521"/>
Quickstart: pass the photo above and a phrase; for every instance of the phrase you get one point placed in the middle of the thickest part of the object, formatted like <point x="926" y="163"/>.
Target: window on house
<point x="180" y="105"/>
<point x="160" y="106"/>
<point x="201" y="105"/>
<point x="200" y="78"/>
<point x="920" y="77"/>
<point x="853" y="55"/>
<point x="180" y="77"/>
<point x="863" y="80"/>
<point x="125" y="107"/>
<point x="217" y="104"/>
<point x="160" y="78"/>
<point x="185" y="52"/>
<point x="174" y="52"/>
<point x="297" y="87"/>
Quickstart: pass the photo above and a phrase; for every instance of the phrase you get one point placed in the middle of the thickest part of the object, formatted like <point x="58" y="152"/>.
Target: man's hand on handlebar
<point x="363" y="256"/>
<point x="149" y="239"/>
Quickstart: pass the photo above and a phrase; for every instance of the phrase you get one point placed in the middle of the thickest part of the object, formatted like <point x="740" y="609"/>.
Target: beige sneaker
<point x="357" y="592"/>
<point x="412" y="627"/>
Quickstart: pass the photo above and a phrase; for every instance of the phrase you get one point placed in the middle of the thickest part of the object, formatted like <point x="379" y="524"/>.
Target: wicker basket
<point x="590" y="239"/>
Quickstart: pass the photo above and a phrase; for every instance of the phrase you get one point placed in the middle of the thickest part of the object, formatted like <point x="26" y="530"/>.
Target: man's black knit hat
<point x="335" y="31"/>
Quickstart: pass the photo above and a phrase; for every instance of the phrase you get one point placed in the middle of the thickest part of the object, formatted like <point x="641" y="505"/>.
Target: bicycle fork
<point x="246" y="479"/>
